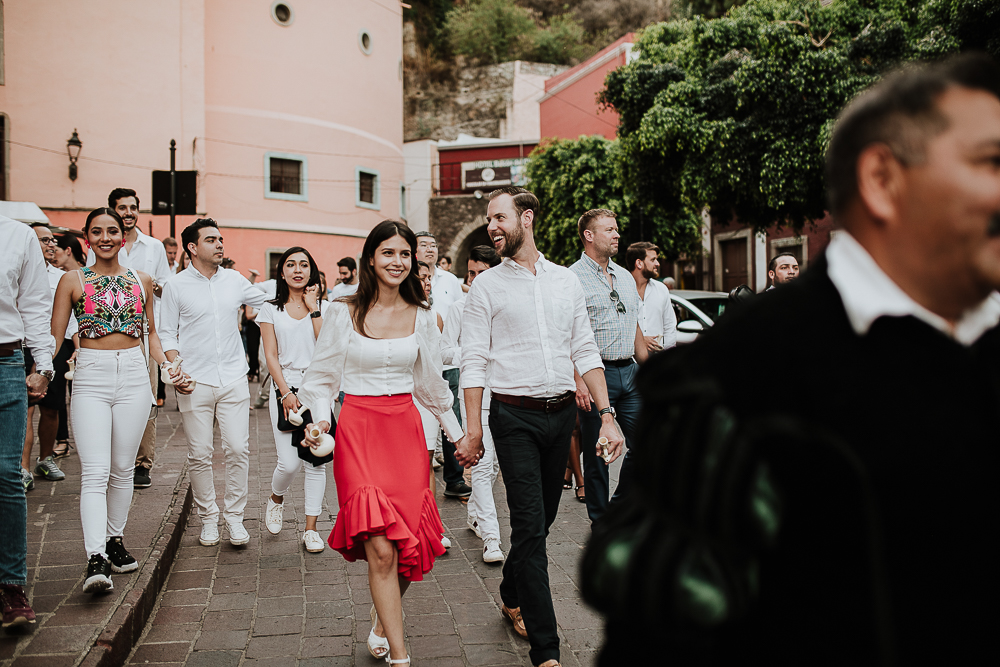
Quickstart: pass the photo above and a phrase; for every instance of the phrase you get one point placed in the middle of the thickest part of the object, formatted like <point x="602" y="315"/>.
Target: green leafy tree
<point x="491" y="31"/>
<point x="733" y="114"/>
<point x="570" y="177"/>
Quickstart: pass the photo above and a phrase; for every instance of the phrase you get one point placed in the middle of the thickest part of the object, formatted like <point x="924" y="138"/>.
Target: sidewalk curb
<point x="126" y="625"/>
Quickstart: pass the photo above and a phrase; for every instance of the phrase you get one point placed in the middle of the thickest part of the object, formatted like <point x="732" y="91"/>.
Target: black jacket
<point x="922" y="415"/>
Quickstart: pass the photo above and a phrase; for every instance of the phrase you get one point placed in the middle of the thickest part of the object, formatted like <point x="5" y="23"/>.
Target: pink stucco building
<point x="290" y="111"/>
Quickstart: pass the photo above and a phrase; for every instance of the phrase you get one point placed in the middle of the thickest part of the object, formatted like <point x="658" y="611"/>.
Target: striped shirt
<point x="613" y="330"/>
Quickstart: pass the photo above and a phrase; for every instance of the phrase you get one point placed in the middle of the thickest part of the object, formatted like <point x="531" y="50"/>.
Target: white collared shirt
<point x="199" y="320"/>
<point x="147" y="255"/>
<point x="868" y="294"/>
<point x="446" y="288"/>
<point x="523" y="332"/>
<point x="658" y="316"/>
<point x="25" y="297"/>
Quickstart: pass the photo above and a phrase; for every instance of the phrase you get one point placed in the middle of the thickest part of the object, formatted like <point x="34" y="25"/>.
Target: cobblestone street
<point x="272" y="603"/>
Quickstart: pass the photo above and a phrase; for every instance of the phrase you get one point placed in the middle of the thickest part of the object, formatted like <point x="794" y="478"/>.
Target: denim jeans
<point x="625" y="400"/>
<point x="453" y="472"/>
<point x="532" y="448"/>
<point x="13" y="506"/>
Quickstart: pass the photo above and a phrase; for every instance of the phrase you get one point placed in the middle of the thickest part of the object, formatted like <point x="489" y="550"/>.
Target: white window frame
<point x="376" y="192"/>
<point x="303" y="177"/>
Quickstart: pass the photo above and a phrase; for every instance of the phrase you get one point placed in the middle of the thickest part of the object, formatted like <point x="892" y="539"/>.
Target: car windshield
<point x="714" y="307"/>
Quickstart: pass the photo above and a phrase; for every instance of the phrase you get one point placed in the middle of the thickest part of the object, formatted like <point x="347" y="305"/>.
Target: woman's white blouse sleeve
<point x="321" y="383"/>
<point x="429" y="387"/>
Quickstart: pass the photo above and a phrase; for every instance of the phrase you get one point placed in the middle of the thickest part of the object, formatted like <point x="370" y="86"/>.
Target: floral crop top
<point x="109" y="304"/>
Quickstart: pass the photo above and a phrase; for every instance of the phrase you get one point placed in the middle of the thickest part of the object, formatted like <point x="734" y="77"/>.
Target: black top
<point x="922" y="414"/>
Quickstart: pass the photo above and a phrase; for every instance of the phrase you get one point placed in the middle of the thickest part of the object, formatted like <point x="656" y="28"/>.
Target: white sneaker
<point x="314" y="543"/>
<point x="474" y="527"/>
<point x="273" y="516"/>
<point x="491" y="551"/>
<point x="209" y="534"/>
<point x="238" y="535"/>
<point x="445" y="542"/>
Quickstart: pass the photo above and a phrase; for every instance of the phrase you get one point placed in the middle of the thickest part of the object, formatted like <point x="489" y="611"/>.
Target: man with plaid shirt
<point x="615" y="310"/>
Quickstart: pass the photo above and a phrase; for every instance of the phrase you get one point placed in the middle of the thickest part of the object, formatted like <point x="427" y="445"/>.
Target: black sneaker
<point x="121" y="559"/>
<point x="98" y="575"/>
<point x="460" y="490"/>
<point x="141" y="480"/>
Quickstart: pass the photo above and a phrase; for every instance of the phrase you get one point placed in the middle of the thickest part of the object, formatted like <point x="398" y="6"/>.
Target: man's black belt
<point x="618" y="363"/>
<point x="554" y="404"/>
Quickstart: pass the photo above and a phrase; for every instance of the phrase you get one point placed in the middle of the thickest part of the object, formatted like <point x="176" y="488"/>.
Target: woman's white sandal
<point x="377" y="646"/>
<point x="401" y="661"/>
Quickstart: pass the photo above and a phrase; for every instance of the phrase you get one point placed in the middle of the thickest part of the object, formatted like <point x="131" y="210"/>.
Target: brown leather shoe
<point x="514" y="616"/>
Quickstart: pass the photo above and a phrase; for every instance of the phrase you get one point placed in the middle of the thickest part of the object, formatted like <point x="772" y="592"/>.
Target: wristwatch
<point x="48" y="375"/>
<point x="314" y="314"/>
<point x="607" y="411"/>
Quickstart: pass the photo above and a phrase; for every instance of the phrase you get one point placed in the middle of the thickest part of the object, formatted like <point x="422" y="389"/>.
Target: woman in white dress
<point x="382" y="347"/>
<point x="289" y="325"/>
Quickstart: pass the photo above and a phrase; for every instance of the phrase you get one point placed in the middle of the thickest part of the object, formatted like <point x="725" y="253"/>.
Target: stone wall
<point x="458" y="223"/>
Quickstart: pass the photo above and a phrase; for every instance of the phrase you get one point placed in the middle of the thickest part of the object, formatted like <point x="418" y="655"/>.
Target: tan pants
<point x="147" y="446"/>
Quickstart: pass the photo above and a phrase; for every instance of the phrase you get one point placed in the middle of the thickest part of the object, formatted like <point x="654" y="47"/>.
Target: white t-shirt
<point x="341" y="289"/>
<point x="296" y="340"/>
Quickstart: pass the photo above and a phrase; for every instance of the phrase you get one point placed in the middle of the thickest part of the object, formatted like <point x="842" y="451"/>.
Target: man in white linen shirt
<point x="524" y="329"/>
<point x="142" y="253"/>
<point x="347" y="270"/>
<point x="482" y="511"/>
<point x="25" y="317"/>
<point x="659" y="321"/>
<point x="198" y="322"/>
<point x="446" y="289"/>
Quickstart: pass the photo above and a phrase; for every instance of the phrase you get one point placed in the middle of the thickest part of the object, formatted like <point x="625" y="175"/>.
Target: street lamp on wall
<point x="73" y="147"/>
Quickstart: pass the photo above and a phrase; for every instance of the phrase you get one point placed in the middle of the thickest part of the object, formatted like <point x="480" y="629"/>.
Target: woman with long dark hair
<point x="69" y="257"/>
<point x="289" y="325"/>
<point x="111" y="395"/>
<point x="383" y="348"/>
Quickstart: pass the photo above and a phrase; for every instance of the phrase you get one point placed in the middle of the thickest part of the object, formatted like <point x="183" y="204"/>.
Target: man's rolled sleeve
<point x="584" y="352"/>
<point x="166" y="326"/>
<point x="476" y="326"/>
<point x="253" y="296"/>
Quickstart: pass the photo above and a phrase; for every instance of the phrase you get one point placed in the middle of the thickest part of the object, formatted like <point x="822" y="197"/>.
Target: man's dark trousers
<point x="453" y="471"/>
<point x="532" y="448"/>
<point x="625" y="400"/>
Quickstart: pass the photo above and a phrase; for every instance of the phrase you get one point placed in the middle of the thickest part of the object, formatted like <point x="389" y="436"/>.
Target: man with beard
<point x="446" y="289"/>
<point x="659" y="321"/>
<point x="524" y="329"/>
<point x="142" y="253"/>
<point x="783" y="268"/>
<point x="615" y="310"/>
<point x="884" y="452"/>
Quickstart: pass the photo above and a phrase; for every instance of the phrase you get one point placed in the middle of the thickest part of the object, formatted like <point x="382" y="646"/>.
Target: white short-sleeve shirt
<point x="296" y="339"/>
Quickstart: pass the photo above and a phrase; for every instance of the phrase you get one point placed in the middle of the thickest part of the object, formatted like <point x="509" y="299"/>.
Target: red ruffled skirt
<point x="381" y="469"/>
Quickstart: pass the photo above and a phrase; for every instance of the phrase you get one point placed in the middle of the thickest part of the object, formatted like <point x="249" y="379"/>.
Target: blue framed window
<point x="286" y="176"/>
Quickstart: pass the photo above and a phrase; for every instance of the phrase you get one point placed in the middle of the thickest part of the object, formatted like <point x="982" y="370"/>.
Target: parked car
<point x="696" y="311"/>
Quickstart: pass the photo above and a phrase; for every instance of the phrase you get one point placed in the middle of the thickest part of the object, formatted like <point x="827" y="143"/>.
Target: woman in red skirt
<point x="381" y="346"/>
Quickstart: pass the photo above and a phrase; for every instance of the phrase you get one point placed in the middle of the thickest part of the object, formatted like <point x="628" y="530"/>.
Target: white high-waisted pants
<point x="109" y="408"/>
<point x="199" y="410"/>
<point x="482" y="507"/>
<point x="289" y="463"/>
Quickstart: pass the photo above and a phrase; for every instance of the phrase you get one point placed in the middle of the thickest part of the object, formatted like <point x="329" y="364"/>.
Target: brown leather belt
<point x="618" y="363"/>
<point x="554" y="404"/>
<point x="8" y="349"/>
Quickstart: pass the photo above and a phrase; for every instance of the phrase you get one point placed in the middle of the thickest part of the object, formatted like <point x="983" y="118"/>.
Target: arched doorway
<point x="471" y="235"/>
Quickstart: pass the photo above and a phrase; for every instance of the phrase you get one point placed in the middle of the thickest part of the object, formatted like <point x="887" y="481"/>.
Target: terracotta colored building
<point x="569" y="106"/>
<point x="289" y="111"/>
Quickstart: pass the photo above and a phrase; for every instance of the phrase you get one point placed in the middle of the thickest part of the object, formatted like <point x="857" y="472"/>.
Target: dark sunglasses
<point x="619" y="306"/>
